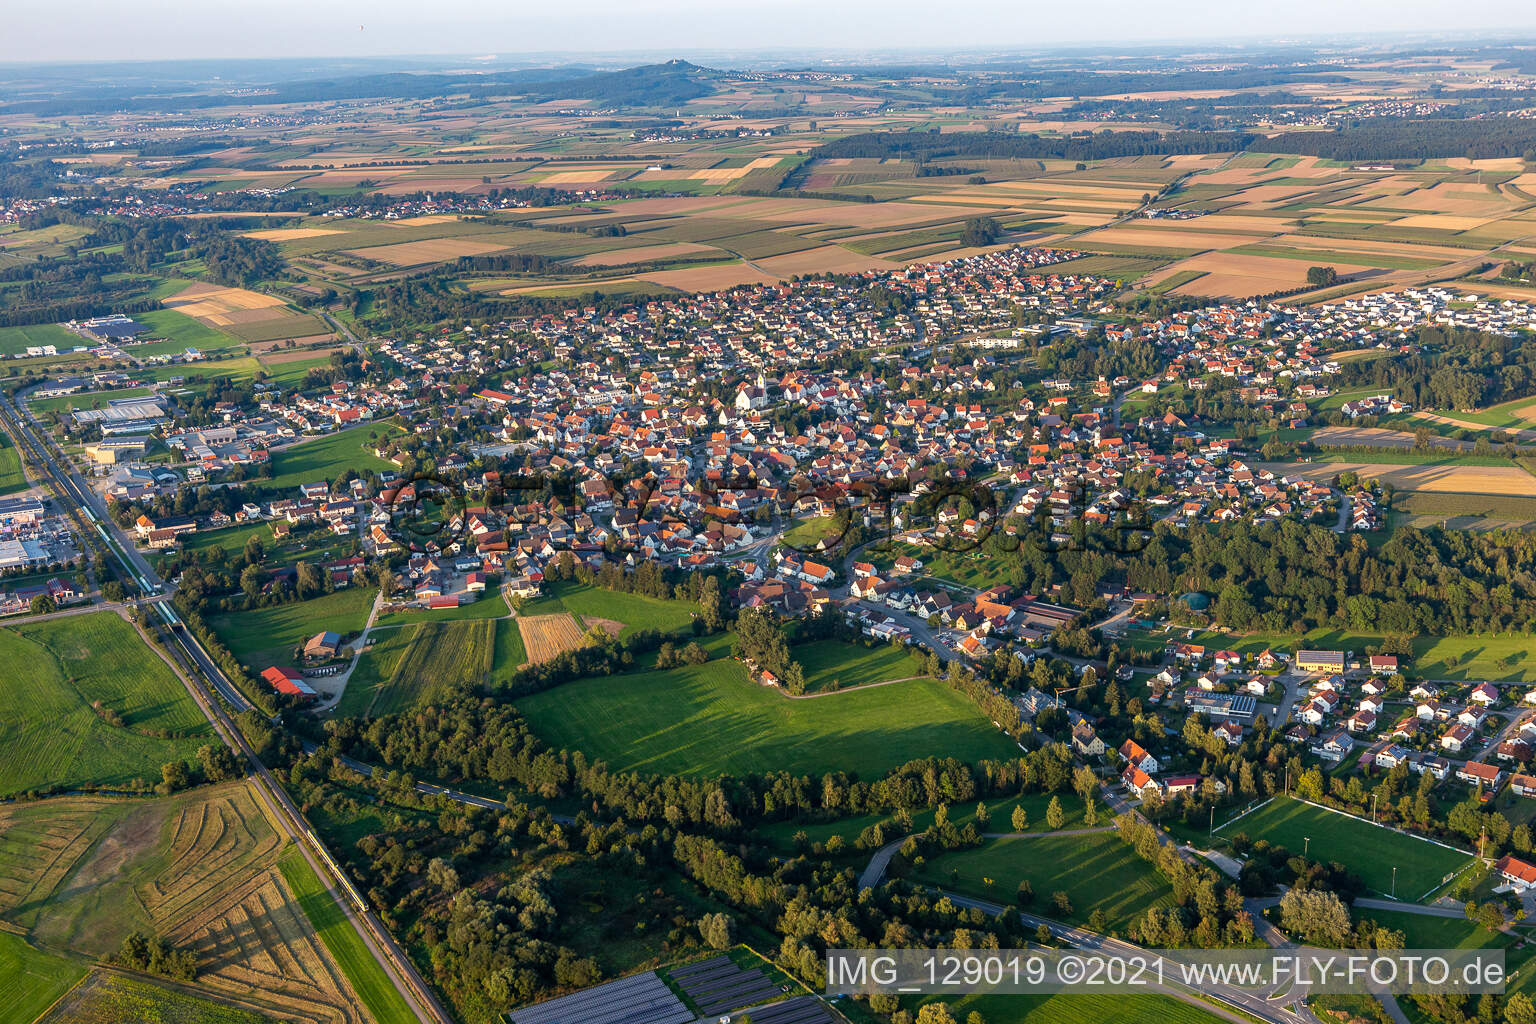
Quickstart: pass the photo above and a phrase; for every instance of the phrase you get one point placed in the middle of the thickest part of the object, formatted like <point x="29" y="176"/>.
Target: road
<point x="189" y="660"/>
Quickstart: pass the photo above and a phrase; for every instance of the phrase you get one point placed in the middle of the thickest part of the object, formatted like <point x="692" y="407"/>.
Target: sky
<point x="66" y="30"/>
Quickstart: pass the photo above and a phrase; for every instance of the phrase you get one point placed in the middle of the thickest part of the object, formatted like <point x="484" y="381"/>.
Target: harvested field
<point x="433" y="250"/>
<point x="1236" y="275"/>
<point x="203" y="300"/>
<point x="545" y="636"/>
<point x="708" y="279"/>
<point x="827" y="259"/>
<point x="1165" y="238"/>
<point x="1494" y="480"/>
<point x="107" y="995"/>
<point x="79" y="873"/>
<point x="290" y="234"/>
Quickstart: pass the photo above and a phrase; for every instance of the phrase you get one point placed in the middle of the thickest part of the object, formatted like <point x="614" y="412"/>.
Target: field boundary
<point x="1389" y="828"/>
<point x="1244" y="813"/>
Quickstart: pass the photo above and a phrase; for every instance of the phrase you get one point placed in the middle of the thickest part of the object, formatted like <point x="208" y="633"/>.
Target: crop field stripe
<point x="345" y="945"/>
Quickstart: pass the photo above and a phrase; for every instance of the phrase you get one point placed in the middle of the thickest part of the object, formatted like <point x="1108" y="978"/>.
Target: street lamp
<point x="1394" y="881"/>
<point x="1306" y="845"/>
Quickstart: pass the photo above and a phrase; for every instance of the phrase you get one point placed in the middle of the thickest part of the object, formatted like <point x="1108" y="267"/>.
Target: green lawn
<point x="365" y="973"/>
<point x="510" y="654"/>
<point x="15" y="340"/>
<point x="1367" y="850"/>
<point x="711" y="719"/>
<point x="441" y="657"/>
<point x="636" y="611"/>
<point x="269" y="635"/>
<point x="829" y="661"/>
<point x="50" y="734"/>
<point x="1097" y="872"/>
<point x="326" y="458"/>
<point x="31" y="980"/>
<point x="374" y="667"/>
<point x="12" y="477"/>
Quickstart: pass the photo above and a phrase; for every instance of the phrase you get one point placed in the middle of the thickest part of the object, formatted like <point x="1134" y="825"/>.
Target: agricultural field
<point x="707" y="719"/>
<point x="80" y="873"/>
<point x="16" y="340"/>
<point x="107" y="995"/>
<point x="345" y="946"/>
<point x="89" y="703"/>
<point x="1078" y="1008"/>
<point x="1463" y="511"/>
<point x="1443" y="478"/>
<point x="1097" y="872"/>
<point x="326" y="458"/>
<point x="634" y="611"/>
<point x="267" y="636"/>
<point x="440" y="658"/>
<point x="489" y="605"/>
<point x="32" y="980"/>
<point x="545" y="636"/>
<point x="12" y="477"/>
<point x="244" y="316"/>
<point x="1368" y="850"/>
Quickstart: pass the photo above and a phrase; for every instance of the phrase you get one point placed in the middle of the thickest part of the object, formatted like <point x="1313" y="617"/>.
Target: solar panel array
<point x="641" y="999"/>
<point x="718" y="986"/>
<point x="803" y="1010"/>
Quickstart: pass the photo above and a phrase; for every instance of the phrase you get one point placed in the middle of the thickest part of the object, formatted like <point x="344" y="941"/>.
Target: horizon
<point x="287" y="29"/>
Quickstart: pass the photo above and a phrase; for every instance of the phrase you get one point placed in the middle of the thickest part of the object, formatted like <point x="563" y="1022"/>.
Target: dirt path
<point x="850" y="689"/>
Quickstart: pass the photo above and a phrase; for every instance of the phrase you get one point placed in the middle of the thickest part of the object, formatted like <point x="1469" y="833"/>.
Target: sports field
<point x="1097" y="872"/>
<point x="1077" y="1008"/>
<point x="12" y="477"/>
<point x="711" y="719"/>
<point x="1367" y="850"/>
<point x="87" y="702"/>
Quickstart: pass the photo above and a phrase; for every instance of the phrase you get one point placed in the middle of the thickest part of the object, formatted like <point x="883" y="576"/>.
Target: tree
<point x="1055" y="817"/>
<point x="311" y="579"/>
<point x="935" y="1013"/>
<point x="42" y="604"/>
<point x="1322" y="277"/>
<point x="1317" y="916"/>
<point x="709" y="604"/>
<point x="983" y="816"/>
<point x="1020" y="819"/>
<point x="1518" y="1009"/>
<point x="980" y="231"/>
<point x="254" y="550"/>
<point x="718" y="930"/>
<point x="251" y="580"/>
<point x="1085" y="782"/>
<point x="217" y="762"/>
<point x="174" y="776"/>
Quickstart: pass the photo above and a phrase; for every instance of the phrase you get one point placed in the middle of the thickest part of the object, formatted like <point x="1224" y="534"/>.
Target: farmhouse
<point x="1085" y="740"/>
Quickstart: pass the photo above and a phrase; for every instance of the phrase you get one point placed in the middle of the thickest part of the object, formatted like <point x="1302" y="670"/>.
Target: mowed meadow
<point x="87" y="702"/>
<point x="711" y="719"/>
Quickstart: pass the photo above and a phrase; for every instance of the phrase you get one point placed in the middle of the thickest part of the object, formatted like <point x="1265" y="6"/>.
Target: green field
<point x="636" y="611"/>
<point x="711" y="719"/>
<point x="1097" y="872"/>
<point x="833" y="661"/>
<point x="16" y="340"/>
<point x="326" y="458"/>
<point x="1078" y="1008"/>
<point x="782" y="833"/>
<point x="12" y="477"/>
<point x="268" y="635"/>
<point x="182" y="332"/>
<point x="30" y="980"/>
<point x="109" y="996"/>
<point x="440" y="658"/>
<point x="510" y="654"/>
<point x="365" y="973"/>
<point x="374" y="667"/>
<point x="1367" y="850"/>
<point x="50" y="734"/>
